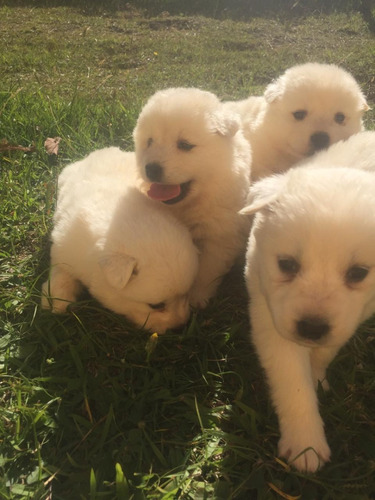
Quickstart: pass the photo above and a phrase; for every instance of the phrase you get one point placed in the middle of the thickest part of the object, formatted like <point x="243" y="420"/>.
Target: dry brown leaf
<point x="52" y="145"/>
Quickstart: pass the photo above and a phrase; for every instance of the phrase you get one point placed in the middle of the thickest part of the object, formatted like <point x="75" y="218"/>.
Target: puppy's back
<point x="356" y="152"/>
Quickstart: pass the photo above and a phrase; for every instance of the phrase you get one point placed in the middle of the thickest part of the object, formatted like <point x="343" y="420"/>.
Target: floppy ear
<point x="225" y="122"/>
<point x="363" y="104"/>
<point x="263" y="193"/>
<point x="118" y="269"/>
<point x="274" y="90"/>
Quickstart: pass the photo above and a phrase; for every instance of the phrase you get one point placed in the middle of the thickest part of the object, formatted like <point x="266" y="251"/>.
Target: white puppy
<point x="311" y="279"/>
<point x="308" y="108"/>
<point x="134" y="258"/>
<point x="193" y="158"/>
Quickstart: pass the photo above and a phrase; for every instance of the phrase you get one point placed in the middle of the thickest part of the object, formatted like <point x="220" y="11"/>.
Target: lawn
<point x="92" y="407"/>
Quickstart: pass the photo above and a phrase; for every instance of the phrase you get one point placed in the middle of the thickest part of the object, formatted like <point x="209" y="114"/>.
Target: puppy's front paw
<point x="55" y="305"/>
<point x="304" y="450"/>
<point x="66" y="295"/>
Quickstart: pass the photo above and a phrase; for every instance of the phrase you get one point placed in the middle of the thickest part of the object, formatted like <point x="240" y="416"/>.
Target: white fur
<point x="357" y="152"/>
<point x="113" y="240"/>
<point x="217" y="166"/>
<point x="277" y="138"/>
<point x="323" y="217"/>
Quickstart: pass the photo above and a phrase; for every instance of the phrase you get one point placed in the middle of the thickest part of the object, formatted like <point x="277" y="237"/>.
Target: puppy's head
<point x="183" y="142"/>
<point x="312" y="106"/>
<point x="147" y="276"/>
<point x="311" y="252"/>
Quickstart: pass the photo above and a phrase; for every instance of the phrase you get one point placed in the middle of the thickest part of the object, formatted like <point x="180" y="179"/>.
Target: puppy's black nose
<point x="154" y="172"/>
<point x="319" y="140"/>
<point x="312" y="328"/>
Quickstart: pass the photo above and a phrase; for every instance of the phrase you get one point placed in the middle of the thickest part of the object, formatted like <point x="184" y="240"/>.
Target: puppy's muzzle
<point x="319" y="140"/>
<point x="154" y="172"/>
<point x="312" y="328"/>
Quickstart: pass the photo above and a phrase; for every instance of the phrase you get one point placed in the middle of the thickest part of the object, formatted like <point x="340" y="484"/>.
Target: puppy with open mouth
<point x="305" y="110"/>
<point x="310" y="274"/>
<point x="193" y="158"/>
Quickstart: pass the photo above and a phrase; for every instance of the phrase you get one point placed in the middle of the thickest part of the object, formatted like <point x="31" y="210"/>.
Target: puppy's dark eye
<point x="149" y="141"/>
<point x="157" y="307"/>
<point x="339" y="118"/>
<point x="356" y="274"/>
<point x="185" y="145"/>
<point x="300" y="114"/>
<point x="288" y="266"/>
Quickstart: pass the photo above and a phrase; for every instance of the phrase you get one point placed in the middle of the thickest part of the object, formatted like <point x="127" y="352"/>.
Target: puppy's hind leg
<point x="60" y="290"/>
<point x="320" y="359"/>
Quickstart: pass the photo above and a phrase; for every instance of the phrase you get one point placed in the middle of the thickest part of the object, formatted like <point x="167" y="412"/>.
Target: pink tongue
<point x="163" y="192"/>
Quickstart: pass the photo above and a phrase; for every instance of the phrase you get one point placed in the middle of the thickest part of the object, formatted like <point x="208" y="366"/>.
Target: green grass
<point x="91" y="407"/>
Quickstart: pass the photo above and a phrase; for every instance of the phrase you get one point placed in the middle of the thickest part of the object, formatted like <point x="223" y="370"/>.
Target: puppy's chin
<point x="310" y="343"/>
<point x="328" y="341"/>
<point x="161" y="326"/>
<point x="184" y="191"/>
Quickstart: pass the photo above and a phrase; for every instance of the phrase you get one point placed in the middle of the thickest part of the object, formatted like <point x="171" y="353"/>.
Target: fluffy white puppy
<point x="310" y="274"/>
<point x="194" y="159"/>
<point x="308" y="108"/>
<point x="134" y="258"/>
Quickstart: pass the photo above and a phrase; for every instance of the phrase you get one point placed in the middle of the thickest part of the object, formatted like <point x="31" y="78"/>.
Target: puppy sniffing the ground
<point x="305" y="110"/>
<point x="134" y="258"/>
<point x="194" y="159"/>
<point x="311" y="279"/>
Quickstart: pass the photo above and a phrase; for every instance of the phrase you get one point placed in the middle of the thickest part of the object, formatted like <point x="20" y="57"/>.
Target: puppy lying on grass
<point x="194" y="159"/>
<point x="305" y="110"/>
<point x="134" y="258"/>
<point x="310" y="274"/>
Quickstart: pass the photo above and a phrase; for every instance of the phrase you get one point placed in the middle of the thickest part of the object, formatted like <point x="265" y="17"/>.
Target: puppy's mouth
<point x="169" y="193"/>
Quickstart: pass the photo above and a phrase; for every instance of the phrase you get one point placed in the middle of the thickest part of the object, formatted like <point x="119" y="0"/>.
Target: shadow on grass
<point x="91" y="391"/>
<point x="104" y="410"/>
